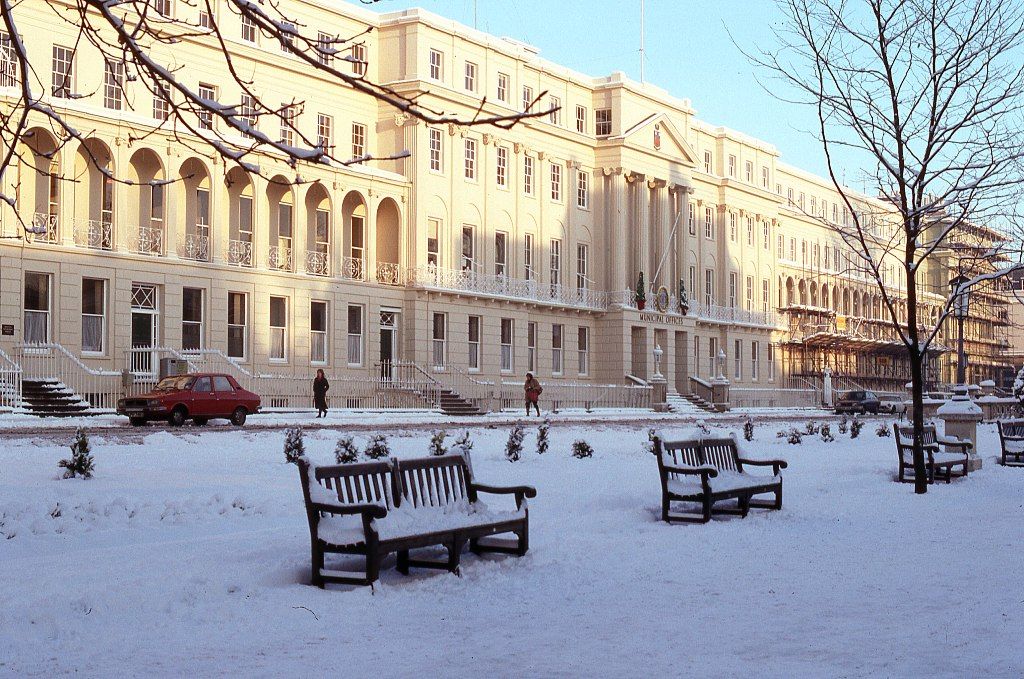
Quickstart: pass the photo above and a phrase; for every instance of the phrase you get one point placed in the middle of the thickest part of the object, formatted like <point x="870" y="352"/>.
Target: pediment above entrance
<point x="657" y="134"/>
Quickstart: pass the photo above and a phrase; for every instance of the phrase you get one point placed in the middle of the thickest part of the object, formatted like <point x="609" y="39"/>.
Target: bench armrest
<point x="776" y="465"/>
<point x="695" y="471"/>
<point x="371" y="510"/>
<point x="781" y="464"/>
<point x="519" y="491"/>
<point x="956" y="443"/>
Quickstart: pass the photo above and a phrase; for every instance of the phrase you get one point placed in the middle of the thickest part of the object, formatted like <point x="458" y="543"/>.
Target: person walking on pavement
<point x="533" y="391"/>
<point x="320" y="387"/>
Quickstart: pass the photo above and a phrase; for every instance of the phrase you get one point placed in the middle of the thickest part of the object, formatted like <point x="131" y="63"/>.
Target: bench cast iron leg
<point x="403" y="561"/>
<point x="318" y="563"/>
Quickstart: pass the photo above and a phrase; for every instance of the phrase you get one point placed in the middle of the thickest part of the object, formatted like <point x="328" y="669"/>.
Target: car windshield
<point x="174" y="383"/>
<point x="853" y="396"/>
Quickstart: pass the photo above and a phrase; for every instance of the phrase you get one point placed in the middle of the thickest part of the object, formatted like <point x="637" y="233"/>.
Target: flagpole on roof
<point x="642" y="41"/>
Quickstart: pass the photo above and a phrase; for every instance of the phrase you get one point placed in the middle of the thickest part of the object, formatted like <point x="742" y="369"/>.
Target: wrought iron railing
<point x="147" y="240"/>
<point x="389" y="273"/>
<point x="582" y="395"/>
<point x="279" y="257"/>
<point x="97" y="387"/>
<point x="94" y="233"/>
<point x="10" y="382"/>
<point x="502" y="286"/>
<point x="353" y="268"/>
<point x="318" y="263"/>
<point x="44" y="228"/>
<point x="196" y="247"/>
<point x="240" y="252"/>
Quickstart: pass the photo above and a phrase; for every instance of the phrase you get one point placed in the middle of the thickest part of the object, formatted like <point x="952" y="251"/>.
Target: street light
<point x="961" y="300"/>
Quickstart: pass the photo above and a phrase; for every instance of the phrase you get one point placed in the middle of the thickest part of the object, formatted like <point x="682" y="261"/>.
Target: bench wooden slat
<point x="418" y="483"/>
<point x="1009" y="430"/>
<point x="723" y="455"/>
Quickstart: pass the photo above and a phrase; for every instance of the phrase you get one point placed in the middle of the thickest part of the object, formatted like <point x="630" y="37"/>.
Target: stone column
<point x="617" y="218"/>
<point x="642" y="226"/>
<point x="664" y="254"/>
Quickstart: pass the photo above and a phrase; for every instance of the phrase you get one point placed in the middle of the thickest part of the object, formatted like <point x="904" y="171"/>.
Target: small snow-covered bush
<point x="437" y="447"/>
<point x="844" y="424"/>
<point x="781" y="434"/>
<point x="345" y="451"/>
<point x="514" y="445"/>
<point x="581" y="449"/>
<point x="704" y="427"/>
<point x="294" y="448"/>
<point x="855" y="428"/>
<point x="464" y="444"/>
<point x="377" y="447"/>
<point x="796" y="437"/>
<point x="826" y="433"/>
<point x="542" y="436"/>
<point x="649" y="446"/>
<point x="883" y="431"/>
<point x="748" y="429"/>
<point x="80" y="463"/>
<point x="811" y="429"/>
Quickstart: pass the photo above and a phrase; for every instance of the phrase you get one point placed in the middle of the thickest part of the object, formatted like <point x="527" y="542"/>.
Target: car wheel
<point x="238" y="417"/>
<point x="178" y="416"/>
<point x="136" y="421"/>
<point x="200" y="421"/>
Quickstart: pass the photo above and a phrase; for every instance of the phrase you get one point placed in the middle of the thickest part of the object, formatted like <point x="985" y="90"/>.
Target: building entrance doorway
<point x="145" y="329"/>
<point x="388" y="342"/>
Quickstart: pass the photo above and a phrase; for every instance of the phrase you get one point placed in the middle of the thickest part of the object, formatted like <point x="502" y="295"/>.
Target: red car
<point x="199" y="397"/>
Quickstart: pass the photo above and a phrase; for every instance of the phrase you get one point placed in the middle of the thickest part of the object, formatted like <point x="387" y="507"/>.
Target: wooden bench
<point x="1011" y="442"/>
<point x="938" y="463"/>
<point x="376" y="508"/>
<point x="708" y="471"/>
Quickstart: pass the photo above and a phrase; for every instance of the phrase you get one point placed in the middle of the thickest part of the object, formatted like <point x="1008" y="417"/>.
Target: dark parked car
<point x="199" y="397"/>
<point x="858" y="402"/>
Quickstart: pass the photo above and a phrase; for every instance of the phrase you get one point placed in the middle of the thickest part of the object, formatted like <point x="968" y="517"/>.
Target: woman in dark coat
<point x="533" y="389"/>
<point x="320" y="387"/>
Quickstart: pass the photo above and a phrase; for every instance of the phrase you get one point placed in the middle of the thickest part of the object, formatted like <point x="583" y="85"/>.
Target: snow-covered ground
<point x="188" y="555"/>
<point x="14" y="422"/>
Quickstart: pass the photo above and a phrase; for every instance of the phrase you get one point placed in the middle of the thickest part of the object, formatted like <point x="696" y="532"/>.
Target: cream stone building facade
<point x="484" y="252"/>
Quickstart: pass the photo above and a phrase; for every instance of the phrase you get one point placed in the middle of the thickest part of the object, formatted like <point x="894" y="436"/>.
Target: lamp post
<point x="961" y="300"/>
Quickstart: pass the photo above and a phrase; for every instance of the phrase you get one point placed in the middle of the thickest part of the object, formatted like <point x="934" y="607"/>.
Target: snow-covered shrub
<point x="437" y="447"/>
<point x="748" y="429"/>
<point x="781" y="434"/>
<point x="796" y="437"/>
<point x="294" y="448"/>
<point x="843" y="425"/>
<point x="514" y="445"/>
<point x="704" y="427"/>
<point x="826" y="433"/>
<point x="883" y="431"/>
<point x="811" y="429"/>
<point x="649" y="446"/>
<point x="80" y="463"/>
<point x="855" y="428"/>
<point x="581" y="449"/>
<point x="463" y="445"/>
<point x="345" y="451"/>
<point x="542" y="436"/>
<point x="377" y="447"/>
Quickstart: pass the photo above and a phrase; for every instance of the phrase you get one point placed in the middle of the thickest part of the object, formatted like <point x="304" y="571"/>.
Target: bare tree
<point x="135" y="40"/>
<point x="927" y="95"/>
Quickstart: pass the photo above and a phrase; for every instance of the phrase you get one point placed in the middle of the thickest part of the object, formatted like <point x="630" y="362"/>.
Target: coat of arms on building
<point x="661" y="300"/>
<point x="657" y="136"/>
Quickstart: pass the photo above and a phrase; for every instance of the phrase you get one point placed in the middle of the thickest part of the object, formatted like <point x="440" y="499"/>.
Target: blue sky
<point x="689" y="53"/>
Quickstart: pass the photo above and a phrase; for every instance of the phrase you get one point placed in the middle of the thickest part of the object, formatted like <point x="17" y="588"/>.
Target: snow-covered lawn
<point x="188" y="555"/>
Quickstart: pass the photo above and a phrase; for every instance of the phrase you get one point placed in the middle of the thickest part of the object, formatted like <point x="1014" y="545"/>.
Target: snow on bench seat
<point x="406" y="521"/>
